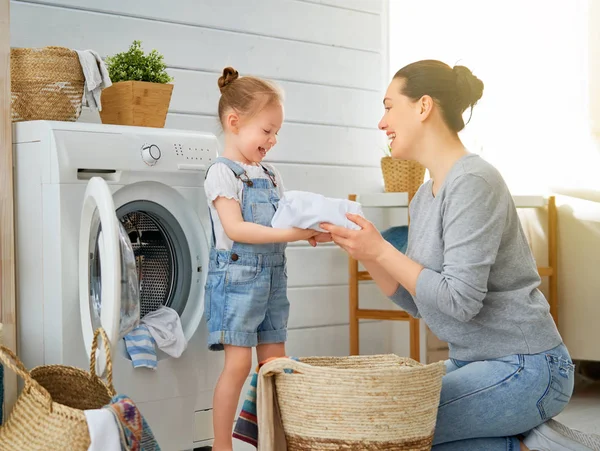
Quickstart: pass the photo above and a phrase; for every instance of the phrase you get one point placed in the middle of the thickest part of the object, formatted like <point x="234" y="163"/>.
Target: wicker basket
<point x="380" y="402"/>
<point x="402" y="176"/>
<point x="48" y="414"/>
<point x="46" y="84"/>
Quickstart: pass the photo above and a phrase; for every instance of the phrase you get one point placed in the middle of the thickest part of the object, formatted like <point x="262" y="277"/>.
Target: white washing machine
<point x="73" y="182"/>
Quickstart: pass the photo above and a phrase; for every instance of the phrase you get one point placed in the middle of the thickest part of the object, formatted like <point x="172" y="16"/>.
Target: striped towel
<point x="140" y="346"/>
<point x="246" y="426"/>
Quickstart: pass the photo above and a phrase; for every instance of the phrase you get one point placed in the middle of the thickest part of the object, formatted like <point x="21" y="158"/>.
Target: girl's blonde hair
<point x="247" y="96"/>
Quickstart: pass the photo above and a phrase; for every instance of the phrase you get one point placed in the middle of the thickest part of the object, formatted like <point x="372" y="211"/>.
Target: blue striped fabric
<point x="141" y="347"/>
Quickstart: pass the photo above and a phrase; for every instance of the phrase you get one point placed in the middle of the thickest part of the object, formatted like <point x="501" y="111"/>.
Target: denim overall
<point x="246" y="300"/>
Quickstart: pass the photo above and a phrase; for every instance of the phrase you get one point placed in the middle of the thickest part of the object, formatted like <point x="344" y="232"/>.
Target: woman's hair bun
<point x="470" y="88"/>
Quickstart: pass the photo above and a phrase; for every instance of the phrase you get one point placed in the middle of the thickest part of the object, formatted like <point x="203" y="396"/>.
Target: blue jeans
<point x="485" y="404"/>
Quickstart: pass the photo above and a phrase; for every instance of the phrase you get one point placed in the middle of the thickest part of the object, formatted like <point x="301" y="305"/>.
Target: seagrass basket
<point x="378" y="402"/>
<point x="48" y="414"/>
<point x="402" y="176"/>
<point x="46" y="84"/>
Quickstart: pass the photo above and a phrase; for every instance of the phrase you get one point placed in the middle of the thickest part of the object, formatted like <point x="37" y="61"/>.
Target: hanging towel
<point x="135" y="433"/>
<point x="104" y="432"/>
<point x="140" y="346"/>
<point x="165" y="327"/>
<point x="246" y="428"/>
<point x="307" y="210"/>
<point x="266" y="423"/>
<point x="96" y="77"/>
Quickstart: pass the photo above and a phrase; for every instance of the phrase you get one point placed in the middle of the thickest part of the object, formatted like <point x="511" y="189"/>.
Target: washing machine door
<point x="108" y="281"/>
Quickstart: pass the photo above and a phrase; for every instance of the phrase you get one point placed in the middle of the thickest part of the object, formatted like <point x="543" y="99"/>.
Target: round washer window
<point x="162" y="258"/>
<point x="162" y="255"/>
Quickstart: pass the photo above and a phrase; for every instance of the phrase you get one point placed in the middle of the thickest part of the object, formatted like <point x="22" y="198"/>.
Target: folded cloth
<point x="135" y="433"/>
<point x="165" y="327"/>
<point x="307" y="210"/>
<point x="267" y="421"/>
<point x="140" y="346"/>
<point x="104" y="432"/>
<point x="96" y="77"/>
<point x="397" y="236"/>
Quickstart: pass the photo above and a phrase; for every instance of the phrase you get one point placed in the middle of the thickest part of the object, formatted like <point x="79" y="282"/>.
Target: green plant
<point x="387" y="151"/>
<point x="134" y="65"/>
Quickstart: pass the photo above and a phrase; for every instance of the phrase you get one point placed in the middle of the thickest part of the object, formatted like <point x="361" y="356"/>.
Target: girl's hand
<point x="364" y="245"/>
<point x="320" y="237"/>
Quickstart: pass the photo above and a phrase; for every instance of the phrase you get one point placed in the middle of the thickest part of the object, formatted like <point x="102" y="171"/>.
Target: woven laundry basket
<point x="379" y="402"/>
<point x="46" y="84"/>
<point x="402" y="176"/>
<point x="48" y="414"/>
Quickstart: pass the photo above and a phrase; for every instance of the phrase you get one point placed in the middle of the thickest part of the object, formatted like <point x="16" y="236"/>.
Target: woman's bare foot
<point x="523" y="447"/>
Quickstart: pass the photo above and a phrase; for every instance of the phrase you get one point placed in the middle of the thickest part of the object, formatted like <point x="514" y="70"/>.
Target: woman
<point x="469" y="273"/>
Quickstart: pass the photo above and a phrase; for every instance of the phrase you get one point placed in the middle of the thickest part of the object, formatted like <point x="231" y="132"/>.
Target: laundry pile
<point x="119" y="426"/>
<point x="158" y="329"/>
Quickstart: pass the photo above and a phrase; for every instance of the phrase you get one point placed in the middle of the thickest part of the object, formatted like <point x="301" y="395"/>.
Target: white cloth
<point x="222" y="182"/>
<point x="307" y="210"/>
<point x="96" y="77"/>
<point x="271" y="435"/>
<point x="104" y="432"/>
<point x="165" y="327"/>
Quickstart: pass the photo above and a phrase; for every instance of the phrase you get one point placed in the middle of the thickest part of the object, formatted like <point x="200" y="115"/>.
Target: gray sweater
<point x="479" y="287"/>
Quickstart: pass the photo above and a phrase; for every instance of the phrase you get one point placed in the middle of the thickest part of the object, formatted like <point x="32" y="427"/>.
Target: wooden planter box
<point x="136" y="103"/>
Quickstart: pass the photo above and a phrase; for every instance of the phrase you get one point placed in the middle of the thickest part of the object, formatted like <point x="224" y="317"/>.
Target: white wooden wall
<point x="329" y="56"/>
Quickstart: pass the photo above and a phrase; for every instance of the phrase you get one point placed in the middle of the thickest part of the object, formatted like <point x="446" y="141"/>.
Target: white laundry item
<point x="96" y="77"/>
<point x="104" y="432"/>
<point x="307" y="210"/>
<point x="165" y="327"/>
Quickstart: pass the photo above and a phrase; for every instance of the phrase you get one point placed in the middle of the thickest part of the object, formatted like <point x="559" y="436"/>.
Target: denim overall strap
<point x="260" y="198"/>
<point x="239" y="173"/>
<point x="238" y="170"/>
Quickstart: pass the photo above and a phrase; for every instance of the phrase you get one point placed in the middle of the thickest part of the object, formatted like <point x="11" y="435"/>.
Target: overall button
<point x="234" y="257"/>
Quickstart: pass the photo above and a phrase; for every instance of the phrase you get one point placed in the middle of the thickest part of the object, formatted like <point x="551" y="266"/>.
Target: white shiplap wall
<point x="329" y="56"/>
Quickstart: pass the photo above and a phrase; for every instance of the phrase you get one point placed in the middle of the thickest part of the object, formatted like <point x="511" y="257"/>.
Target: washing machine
<point x="74" y="184"/>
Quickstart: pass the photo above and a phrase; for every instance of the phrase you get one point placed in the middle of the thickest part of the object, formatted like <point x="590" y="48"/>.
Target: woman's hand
<point x="364" y="245"/>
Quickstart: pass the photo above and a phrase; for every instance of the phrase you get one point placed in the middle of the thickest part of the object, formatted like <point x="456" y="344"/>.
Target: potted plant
<point x="401" y="176"/>
<point x="141" y="92"/>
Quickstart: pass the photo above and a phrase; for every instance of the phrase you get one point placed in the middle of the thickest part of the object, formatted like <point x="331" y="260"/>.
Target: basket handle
<point x="106" y="346"/>
<point x="9" y="359"/>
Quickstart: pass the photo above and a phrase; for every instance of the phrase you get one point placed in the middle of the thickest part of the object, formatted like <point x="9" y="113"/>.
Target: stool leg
<point x="552" y="258"/>
<point x="353" y="306"/>
<point x="415" y="338"/>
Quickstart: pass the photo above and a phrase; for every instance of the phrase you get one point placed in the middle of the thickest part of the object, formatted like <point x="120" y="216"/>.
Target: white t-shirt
<point x="222" y="182"/>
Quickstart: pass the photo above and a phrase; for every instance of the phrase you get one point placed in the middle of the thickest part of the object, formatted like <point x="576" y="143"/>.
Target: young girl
<point x="246" y="301"/>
